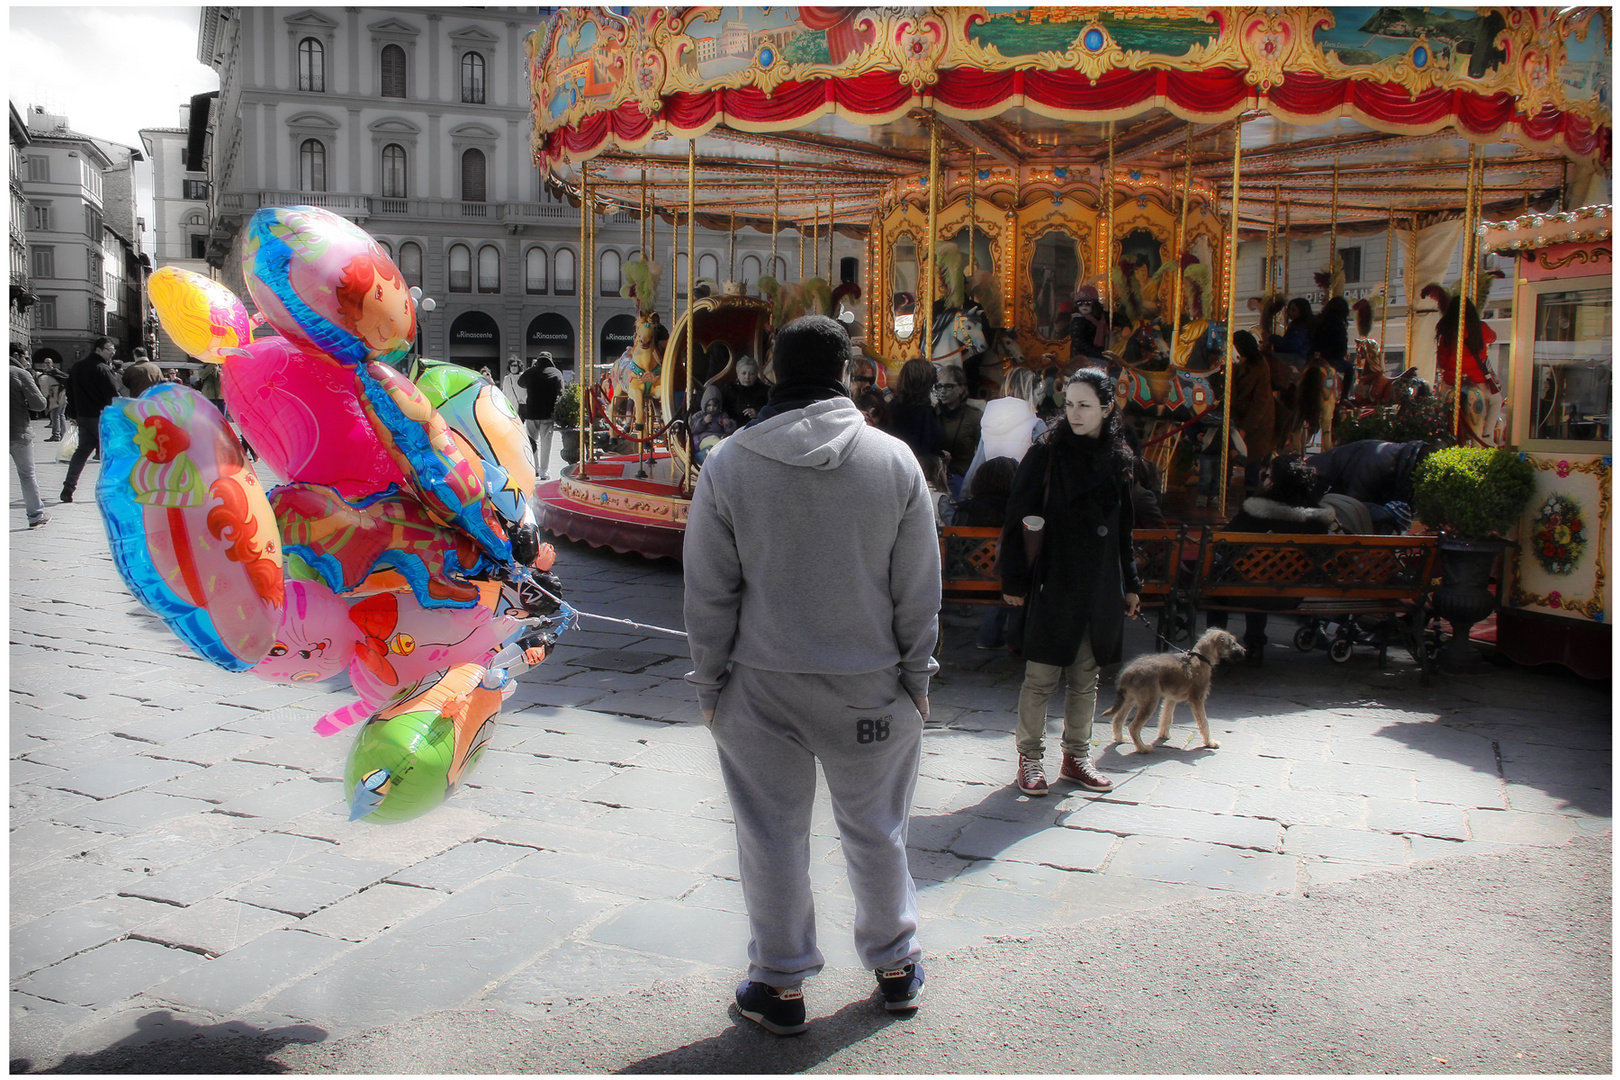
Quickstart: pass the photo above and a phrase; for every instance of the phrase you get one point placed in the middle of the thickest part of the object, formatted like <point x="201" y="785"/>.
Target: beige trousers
<point x="1079" y="703"/>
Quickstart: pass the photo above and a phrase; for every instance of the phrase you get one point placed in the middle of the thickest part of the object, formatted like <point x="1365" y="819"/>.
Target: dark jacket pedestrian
<point x="140" y="376"/>
<point x="1377" y="473"/>
<point x="542" y="385"/>
<point x="92" y="386"/>
<point x="911" y="412"/>
<point x="1084" y="582"/>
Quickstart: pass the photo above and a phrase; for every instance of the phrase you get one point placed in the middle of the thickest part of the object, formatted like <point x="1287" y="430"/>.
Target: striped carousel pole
<point x="1181" y="245"/>
<point x="925" y="308"/>
<point x="1231" y="315"/>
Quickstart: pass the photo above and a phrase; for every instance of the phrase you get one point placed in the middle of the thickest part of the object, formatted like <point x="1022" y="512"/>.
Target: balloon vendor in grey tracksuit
<point x="812" y="605"/>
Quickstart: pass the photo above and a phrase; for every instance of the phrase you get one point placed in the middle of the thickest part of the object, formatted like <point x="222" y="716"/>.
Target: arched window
<point x="780" y="273"/>
<point x="388" y="248"/>
<point x="534" y="271"/>
<point x="609" y="285"/>
<point x="410" y="262"/>
<point x="460" y="268"/>
<point x="312" y="65"/>
<point x="709" y="267"/>
<point x="312" y="166"/>
<point x="393" y="71"/>
<point x="393" y="171"/>
<point x="472" y="78"/>
<point x="751" y="270"/>
<point x="489" y="268"/>
<point x="680" y="273"/>
<point x="472" y="176"/>
<point x="565" y="272"/>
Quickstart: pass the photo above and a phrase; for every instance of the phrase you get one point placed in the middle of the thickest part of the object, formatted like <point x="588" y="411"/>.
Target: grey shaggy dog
<point x="1175" y="678"/>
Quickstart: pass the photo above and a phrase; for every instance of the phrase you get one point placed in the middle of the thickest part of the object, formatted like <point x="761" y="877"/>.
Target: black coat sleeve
<point x="1028" y="492"/>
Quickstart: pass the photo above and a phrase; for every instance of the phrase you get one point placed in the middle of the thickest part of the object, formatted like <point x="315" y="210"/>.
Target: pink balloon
<point x="302" y="416"/>
<point x="391" y="646"/>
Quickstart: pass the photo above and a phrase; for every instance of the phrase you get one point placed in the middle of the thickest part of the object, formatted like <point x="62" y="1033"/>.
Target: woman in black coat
<point x="1084" y="583"/>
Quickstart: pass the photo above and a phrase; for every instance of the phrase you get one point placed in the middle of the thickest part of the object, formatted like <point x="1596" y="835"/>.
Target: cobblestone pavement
<point x="181" y="855"/>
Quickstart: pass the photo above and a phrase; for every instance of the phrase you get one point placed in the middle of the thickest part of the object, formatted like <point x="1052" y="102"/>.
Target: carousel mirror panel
<point x="1056" y="268"/>
<point x="903" y="286"/>
<point x="1574" y="365"/>
<point x="984" y="255"/>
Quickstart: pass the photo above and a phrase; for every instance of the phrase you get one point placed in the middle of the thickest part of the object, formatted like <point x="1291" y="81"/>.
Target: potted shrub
<point x="1471" y="496"/>
<point x="566" y="416"/>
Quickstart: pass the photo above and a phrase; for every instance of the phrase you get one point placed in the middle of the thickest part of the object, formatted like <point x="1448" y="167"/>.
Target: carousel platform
<point x="608" y="503"/>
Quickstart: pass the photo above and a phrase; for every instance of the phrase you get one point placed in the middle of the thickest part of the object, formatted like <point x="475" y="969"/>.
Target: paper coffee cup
<point x="1034" y="523"/>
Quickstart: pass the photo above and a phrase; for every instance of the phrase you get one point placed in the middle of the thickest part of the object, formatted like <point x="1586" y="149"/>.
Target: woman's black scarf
<point x="1095" y="466"/>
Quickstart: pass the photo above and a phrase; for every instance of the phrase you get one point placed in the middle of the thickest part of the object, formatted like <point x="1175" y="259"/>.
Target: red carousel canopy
<point x="841" y="93"/>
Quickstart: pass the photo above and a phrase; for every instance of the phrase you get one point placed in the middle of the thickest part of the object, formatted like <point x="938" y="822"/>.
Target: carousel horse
<point x="637" y="370"/>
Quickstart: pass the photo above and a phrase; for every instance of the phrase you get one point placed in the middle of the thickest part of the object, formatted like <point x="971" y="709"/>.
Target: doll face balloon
<point x="316" y="639"/>
<point x="324" y="283"/>
<point x="301" y="415"/>
<point x="201" y="315"/>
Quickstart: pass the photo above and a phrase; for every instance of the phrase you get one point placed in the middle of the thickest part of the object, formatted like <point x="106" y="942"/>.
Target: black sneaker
<point x="67" y="495"/>
<point x="779" y="1011"/>
<point x="901" y="987"/>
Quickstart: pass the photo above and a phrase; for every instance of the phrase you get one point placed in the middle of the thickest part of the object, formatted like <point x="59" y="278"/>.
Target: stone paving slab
<point x="222" y="986"/>
<point x="593" y="846"/>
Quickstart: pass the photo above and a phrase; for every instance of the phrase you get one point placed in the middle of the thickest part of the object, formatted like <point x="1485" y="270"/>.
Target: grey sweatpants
<point x="770" y="728"/>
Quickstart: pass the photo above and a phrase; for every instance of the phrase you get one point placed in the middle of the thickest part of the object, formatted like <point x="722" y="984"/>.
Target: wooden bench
<point x="1327" y="577"/>
<point x="967" y="559"/>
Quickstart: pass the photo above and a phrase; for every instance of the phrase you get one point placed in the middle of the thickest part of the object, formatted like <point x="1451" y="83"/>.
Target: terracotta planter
<point x="1464" y="596"/>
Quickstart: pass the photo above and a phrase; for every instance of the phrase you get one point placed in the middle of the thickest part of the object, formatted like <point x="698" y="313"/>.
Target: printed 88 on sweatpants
<point x="771" y="727"/>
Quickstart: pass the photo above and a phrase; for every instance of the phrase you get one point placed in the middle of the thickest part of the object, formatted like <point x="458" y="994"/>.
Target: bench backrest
<point x="1240" y="564"/>
<point x="967" y="559"/>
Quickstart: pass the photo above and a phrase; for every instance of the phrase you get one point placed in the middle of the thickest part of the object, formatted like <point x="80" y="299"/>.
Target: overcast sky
<point x="110" y="70"/>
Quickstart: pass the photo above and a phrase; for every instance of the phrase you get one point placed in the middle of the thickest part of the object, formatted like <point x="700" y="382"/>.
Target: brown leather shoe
<point x="1079" y="770"/>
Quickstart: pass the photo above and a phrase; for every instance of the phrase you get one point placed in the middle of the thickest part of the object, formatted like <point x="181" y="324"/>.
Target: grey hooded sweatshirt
<point x="810" y="547"/>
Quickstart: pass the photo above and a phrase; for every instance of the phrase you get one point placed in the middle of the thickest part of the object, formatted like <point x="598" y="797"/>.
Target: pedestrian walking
<point x="25" y="396"/>
<point x="1076" y="584"/>
<point x="91" y="388"/>
<point x="141" y="374"/>
<point x="542" y="386"/>
<point x="52" y="381"/>
<point x="812" y="605"/>
<point x="510" y="387"/>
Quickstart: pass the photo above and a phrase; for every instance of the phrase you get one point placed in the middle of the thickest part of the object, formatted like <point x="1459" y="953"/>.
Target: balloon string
<point x="574" y="615"/>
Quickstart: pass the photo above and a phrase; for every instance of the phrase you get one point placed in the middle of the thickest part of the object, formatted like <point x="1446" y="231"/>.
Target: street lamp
<point x="424" y="304"/>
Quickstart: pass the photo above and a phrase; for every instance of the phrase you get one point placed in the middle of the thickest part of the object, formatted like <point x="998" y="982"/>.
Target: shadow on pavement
<point x="164" y="1043"/>
<point x="745" y="1048"/>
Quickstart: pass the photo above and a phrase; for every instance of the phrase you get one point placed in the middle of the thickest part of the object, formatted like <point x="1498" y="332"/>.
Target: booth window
<point x="1574" y="365"/>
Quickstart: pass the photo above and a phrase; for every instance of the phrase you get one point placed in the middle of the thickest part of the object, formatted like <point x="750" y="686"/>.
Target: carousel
<point x="1046" y="187"/>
